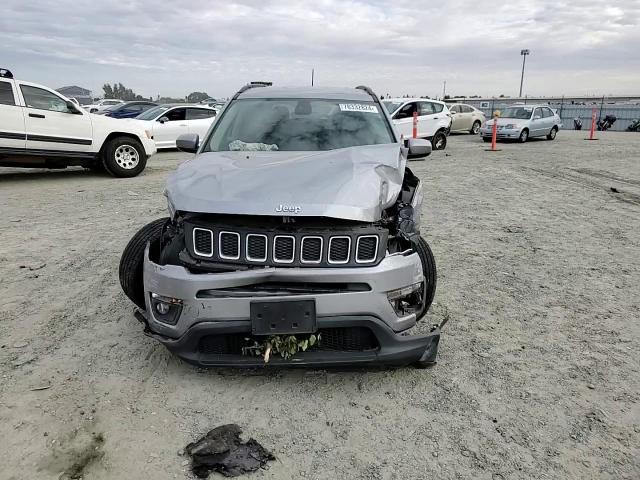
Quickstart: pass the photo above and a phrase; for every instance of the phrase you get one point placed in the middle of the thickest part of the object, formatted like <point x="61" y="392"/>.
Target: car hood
<point x="354" y="183"/>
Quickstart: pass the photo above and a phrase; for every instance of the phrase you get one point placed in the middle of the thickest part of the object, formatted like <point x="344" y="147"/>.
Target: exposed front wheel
<point x="124" y="157"/>
<point x="430" y="276"/>
<point x="552" y="133"/>
<point x="475" y="128"/>
<point x="132" y="260"/>
<point x="524" y="136"/>
<point x="439" y="141"/>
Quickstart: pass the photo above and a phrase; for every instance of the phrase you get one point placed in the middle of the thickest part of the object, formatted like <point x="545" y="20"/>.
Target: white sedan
<point x="167" y="122"/>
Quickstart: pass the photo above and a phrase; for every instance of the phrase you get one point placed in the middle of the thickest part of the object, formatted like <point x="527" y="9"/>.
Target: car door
<point x="169" y="127"/>
<point x="403" y="119"/>
<point x="549" y="119"/>
<point x="199" y="120"/>
<point x="467" y="117"/>
<point x="51" y="125"/>
<point x="428" y="118"/>
<point x="12" y="129"/>
<point x="537" y="123"/>
<point x="456" y="117"/>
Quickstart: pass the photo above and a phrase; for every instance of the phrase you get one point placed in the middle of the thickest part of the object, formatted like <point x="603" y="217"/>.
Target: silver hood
<point x="354" y="183"/>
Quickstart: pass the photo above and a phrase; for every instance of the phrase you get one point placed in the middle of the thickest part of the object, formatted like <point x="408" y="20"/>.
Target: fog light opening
<point x="166" y="309"/>
<point x="406" y="300"/>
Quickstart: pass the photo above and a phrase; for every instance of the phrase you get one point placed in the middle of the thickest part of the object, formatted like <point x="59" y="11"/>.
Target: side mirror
<point x="188" y="142"/>
<point x="71" y="108"/>
<point x="418" y="148"/>
<point x="163" y="119"/>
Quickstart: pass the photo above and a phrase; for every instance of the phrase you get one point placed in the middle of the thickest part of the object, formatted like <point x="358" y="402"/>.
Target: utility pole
<point x="524" y="54"/>
<point x="312" y="75"/>
<point x="444" y="89"/>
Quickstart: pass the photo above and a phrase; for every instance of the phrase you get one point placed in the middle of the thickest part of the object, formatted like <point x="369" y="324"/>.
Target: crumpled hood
<point x="354" y="183"/>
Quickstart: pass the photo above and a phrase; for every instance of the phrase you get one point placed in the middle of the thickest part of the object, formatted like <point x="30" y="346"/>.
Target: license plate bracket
<point x="283" y="317"/>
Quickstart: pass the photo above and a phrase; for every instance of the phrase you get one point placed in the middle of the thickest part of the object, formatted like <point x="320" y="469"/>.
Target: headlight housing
<point x="511" y="126"/>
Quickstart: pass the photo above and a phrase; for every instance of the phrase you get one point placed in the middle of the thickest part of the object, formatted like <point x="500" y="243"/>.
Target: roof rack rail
<point x="251" y="85"/>
<point x="4" y="73"/>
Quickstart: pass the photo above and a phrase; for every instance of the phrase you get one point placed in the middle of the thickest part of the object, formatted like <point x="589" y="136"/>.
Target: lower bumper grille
<point x="347" y="339"/>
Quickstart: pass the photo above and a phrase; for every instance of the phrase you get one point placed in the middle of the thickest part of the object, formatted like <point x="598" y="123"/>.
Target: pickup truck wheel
<point x="124" y="157"/>
<point x="132" y="260"/>
<point x="430" y="276"/>
<point x="439" y="141"/>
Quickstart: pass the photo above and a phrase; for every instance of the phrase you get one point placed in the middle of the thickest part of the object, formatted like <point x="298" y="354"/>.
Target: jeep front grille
<point x="312" y="247"/>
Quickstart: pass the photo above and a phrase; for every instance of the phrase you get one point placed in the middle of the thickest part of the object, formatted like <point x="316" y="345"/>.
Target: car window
<point x="466" y="109"/>
<point x="6" y="94"/>
<point x="41" y="99"/>
<point x="435" y="107"/>
<point x="455" y="109"/>
<point x="523" y="113"/>
<point x="152" y="113"/>
<point x="537" y="113"/>
<point x="391" y="106"/>
<point x="146" y="106"/>
<point x="406" y="111"/>
<point x="426" y="108"/>
<point x="199" y="113"/>
<point x="110" y="102"/>
<point x="298" y="124"/>
<point x="176" y="115"/>
<point x="547" y="112"/>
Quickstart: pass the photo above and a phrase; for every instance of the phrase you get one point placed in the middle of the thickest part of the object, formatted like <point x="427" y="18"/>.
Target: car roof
<point x="190" y="105"/>
<point x="308" y="92"/>
<point x="403" y="100"/>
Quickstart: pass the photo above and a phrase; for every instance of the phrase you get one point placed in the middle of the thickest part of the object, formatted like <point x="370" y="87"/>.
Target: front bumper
<point x="149" y="146"/>
<point x="502" y="133"/>
<point x="203" y="317"/>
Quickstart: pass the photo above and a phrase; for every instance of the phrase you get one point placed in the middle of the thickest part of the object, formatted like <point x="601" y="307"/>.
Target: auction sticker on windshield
<point x="357" y="107"/>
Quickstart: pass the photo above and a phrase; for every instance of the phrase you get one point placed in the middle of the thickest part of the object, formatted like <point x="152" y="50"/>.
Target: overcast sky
<point x="176" y="47"/>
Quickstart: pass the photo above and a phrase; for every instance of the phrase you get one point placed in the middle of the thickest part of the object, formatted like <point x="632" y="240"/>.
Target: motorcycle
<point x="606" y="123"/>
<point x="635" y="126"/>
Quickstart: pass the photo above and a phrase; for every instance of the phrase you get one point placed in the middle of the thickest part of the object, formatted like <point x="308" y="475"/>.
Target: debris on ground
<point x="221" y="450"/>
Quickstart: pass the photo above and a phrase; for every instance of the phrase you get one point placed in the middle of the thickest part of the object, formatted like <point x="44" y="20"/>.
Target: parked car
<point x="41" y="128"/>
<point x="296" y="221"/>
<point x="127" y="109"/>
<point x="521" y="122"/>
<point x="465" y="118"/>
<point x="434" y="119"/>
<point x="168" y="122"/>
<point x="102" y="104"/>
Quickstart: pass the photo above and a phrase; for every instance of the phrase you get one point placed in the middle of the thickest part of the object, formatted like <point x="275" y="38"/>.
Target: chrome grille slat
<point x="203" y="242"/>
<point x="229" y="245"/>
<point x="256" y="249"/>
<point x="284" y="248"/>
<point x="339" y="249"/>
<point x="311" y="249"/>
<point x="367" y="248"/>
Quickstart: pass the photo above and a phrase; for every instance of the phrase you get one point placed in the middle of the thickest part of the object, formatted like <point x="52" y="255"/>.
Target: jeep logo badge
<point x="288" y="209"/>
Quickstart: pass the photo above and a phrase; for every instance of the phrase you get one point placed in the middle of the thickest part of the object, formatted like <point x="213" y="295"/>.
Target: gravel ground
<point x="538" y="374"/>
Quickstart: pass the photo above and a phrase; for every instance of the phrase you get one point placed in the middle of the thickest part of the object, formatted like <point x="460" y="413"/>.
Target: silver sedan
<point x="521" y="122"/>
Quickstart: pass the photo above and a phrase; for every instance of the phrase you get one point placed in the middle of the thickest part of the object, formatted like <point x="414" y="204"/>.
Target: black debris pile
<point x="221" y="450"/>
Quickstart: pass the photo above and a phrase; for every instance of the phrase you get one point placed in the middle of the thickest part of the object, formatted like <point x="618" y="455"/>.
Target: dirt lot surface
<point x="539" y="367"/>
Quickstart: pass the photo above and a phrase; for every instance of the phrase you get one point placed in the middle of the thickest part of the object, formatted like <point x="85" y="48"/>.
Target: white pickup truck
<point x="39" y="128"/>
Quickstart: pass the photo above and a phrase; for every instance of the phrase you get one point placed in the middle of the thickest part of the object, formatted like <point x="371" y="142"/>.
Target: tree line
<point x="120" y="92"/>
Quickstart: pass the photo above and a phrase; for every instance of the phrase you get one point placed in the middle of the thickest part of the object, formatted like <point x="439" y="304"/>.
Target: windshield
<point x="523" y="113"/>
<point x="113" y="107"/>
<point x="391" y="106"/>
<point x="288" y="124"/>
<point x="152" y="113"/>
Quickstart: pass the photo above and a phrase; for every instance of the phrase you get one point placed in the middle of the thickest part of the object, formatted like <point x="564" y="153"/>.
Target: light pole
<point x="524" y="54"/>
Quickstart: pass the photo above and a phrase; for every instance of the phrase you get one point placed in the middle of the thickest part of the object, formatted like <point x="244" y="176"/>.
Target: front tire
<point x="524" y="136"/>
<point x="124" y="157"/>
<point x="475" y="128"/>
<point x="430" y="276"/>
<point x="132" y="260"/>
<point x="439" y="141"/>
<point x="552" y="133"/>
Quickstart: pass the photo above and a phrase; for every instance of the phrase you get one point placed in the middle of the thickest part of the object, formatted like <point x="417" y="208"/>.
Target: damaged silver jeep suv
<point x="293" y="238"/>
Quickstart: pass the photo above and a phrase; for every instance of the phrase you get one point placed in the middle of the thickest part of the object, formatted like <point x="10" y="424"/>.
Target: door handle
<point x="184" y="125"/>
<point x="435" y="118"/>
<point x="36" y="115"/>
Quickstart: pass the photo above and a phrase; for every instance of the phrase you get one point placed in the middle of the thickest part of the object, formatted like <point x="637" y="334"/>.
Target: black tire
<point x="439" y="141"/>
<point x="524" y="135"/>
<point x="552" y="133"/>
<point x="132" y="260"/>
<point x="486" y="139"/>
<point x="475" y="128"/>
<point x="120" y="160"/>
<point x="430" y="276"/>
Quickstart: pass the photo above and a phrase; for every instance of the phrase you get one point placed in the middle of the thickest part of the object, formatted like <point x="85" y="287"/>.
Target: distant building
<point x="81" y="94"/>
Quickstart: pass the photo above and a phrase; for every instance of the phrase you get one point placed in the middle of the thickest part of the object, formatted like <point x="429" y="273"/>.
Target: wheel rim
<point x="553" y="133"/>
<point x="476" y="128"/>
<point x="439" y="142"/>
<point x="127" y="157"/>
<point x="524" y="135"/>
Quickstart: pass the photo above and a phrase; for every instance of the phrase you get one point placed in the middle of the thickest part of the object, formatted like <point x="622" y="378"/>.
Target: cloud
<point x="173" y="48"/>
